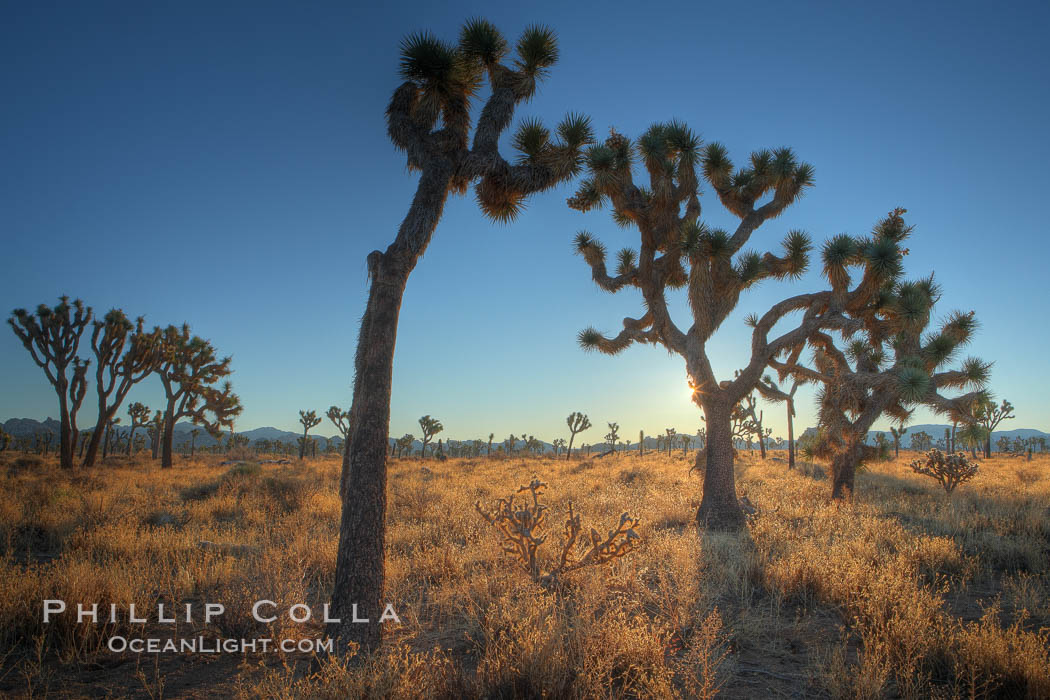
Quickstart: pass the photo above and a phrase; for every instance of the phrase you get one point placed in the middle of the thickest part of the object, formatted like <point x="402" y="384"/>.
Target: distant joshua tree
<point x="308" y="419"/>
<point x="139" y="414"/>
<point x="156" y="430"/>
<point x="612" y="436"/>
<point x="670" y="440"/>
<point x="990" y="416"/>
<point x="897" y="434"/>
<point x="577" y="422"/>
<point x="193" y="440"/>
<point x="429" y="118"/>
<point x="430" y="427"/>
<point x="52" y="337"/>
<point x="922" y="441"/>
<point x="558" y="444"/>
<point x="341" y="420"/>
<point x="641" y="443"/>
<point x="491" y="436"/>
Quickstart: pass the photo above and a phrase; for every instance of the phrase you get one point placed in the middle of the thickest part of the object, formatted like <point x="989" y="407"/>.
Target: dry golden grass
<point x="903" y="593"/>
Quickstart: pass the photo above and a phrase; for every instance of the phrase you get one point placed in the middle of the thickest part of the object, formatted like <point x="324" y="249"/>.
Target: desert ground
<point x="904" y="592"/>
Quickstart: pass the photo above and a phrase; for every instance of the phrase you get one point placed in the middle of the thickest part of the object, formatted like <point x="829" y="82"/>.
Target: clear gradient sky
<point x="226" y="164"/>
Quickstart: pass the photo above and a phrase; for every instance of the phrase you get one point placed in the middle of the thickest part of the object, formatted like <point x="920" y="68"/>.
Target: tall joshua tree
<point x="140" y="418"/>
<point x="124" y="356"/>
<point x="577" y="422"/>
<point x="52" y="337"/>
<point x="430" y="427"/>
<point x="679" y="251"/>
<point x="890" y="365"/>
<point x="990" y="416"/>
<point x="190" y="371"/>
<point x="429" y="119"/>
<point x="308" y="419"/>
<point x="491" y="436"/>
<point x="771" y="391"/>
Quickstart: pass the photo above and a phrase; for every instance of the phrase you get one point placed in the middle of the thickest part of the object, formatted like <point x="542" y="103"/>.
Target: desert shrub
<point x="521" y="527"/>
<point x="948" y="470"/>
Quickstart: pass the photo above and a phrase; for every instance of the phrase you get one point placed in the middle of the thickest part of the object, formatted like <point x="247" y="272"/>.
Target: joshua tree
<point x="140" y="418"/>
<point x="772" y="392"/>
<point x="124" y="356"/>
<point x="430" y="427"/>
<point x="156" y="429"/>
<point x="748" y="406"/>
<point x="5" y="440"/>
<point x="577" y="422"/>
<point x="308" y="419"/>
<point x="193" y="440"/>
<point x="641" y="443"/>
<point x="189" y="371"/>
<point x="894" y="363"/>
<point x="1003" y="444"/>
<point x="111" y="433"/>
<point x="508" y="444"/>
<point x="52" y="337"/>
<point x="612" y="436"/>
<point x="990" y="416"/>
<point x="701" y="438"/>
<point x="671" y="432"/>
<point x="429" y="118"/>
<point x="973" y="435"/>
<point x="341" y="419"/>
<point x="491" y="436"/>
<point x="558" y="444"/>
<point x="897" y="434"/>
<point x="679" y="251"/>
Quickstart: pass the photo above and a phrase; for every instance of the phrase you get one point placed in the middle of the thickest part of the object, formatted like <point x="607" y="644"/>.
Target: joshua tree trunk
<point x="791" y="433"/>
<point x="359" y="574"/>
<point x="131" y="439"/>
<point x="988" y="446"/>
<point x="844" y="470"/>
<point x="719" y="508"/>
<point x="166" y="438"/>
<point x="568" y="452"/>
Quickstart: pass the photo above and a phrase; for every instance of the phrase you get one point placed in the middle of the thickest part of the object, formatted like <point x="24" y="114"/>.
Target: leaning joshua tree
<point x="339" y="418"/>
<point x="124" y="356"/>
<point x="429" y="118"/>
<point x="308" y="419"/>
<point x="430" y="427"/>
<point x="678" y="251"/>
<point x="577" y="422"/>
<point x="891" y="364"/>
<point x="52" y="337"/>
<point x="189" y="371"/>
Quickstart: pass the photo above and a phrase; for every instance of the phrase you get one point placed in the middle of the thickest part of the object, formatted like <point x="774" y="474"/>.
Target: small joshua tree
<point x="669" y="440"/>
<point x="140" y="418"/>
<point x="949" y="470"/>
<point x="308" y="419"/>
<point x="577" y="422"/>
<point x="558" y="444"/>
<point x="641" y="443"/>
<point x="52" y="337"/>
<point x="612" y="436"/>
<point x="430" y="427"/>
<point x="521" y="525"/>
<point x="897" y="434"/>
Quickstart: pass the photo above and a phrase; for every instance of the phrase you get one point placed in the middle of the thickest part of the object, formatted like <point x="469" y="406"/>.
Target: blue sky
<point x="226" y="164"/>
